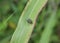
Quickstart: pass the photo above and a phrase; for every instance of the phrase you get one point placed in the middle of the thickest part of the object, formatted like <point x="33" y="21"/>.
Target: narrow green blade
<point x="27" y="21"/>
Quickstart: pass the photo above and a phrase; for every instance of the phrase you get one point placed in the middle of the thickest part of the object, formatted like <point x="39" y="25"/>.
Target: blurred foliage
<point x="10" y="12"/>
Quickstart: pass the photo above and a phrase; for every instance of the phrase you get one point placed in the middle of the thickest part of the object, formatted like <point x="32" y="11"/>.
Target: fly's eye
<point x="29" y="21"/>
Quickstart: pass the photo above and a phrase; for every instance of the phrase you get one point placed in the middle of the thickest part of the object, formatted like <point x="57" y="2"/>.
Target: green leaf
<point x="3" y="25"/>
<point x="25" y="27"/>
<point x="45" y="37"/>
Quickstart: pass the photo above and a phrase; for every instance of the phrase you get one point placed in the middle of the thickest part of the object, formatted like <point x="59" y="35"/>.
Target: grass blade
<point x="27" y="21"/>
<point x="49" y="27"/>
